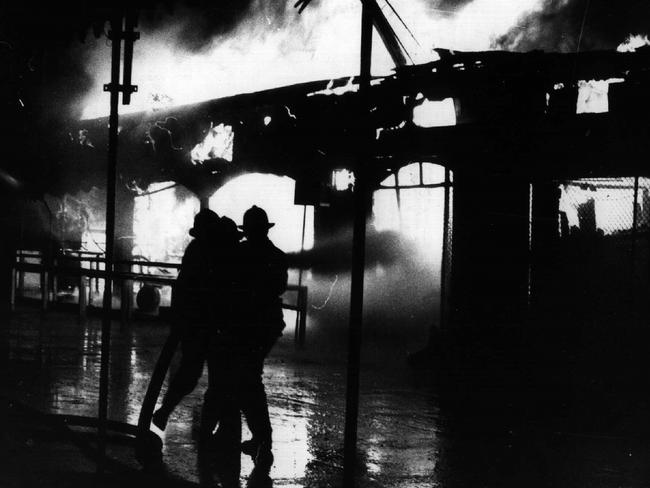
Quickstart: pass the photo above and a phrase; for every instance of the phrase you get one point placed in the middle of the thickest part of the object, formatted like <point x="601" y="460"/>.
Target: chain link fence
<point x="605" y="206"/>
<point x="595" y="267"/>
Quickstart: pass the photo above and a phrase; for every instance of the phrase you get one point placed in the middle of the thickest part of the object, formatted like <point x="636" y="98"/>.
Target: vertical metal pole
<point x="116" y="41"/>
<point x="97" y="276"/>
<point x="358" y="259"/>
<point x="529" y="289"/>
<point x="445" y="255"/>
<point x="45" y="289"/>
<point x="13" y="287"/>
<point x="398" y="198"/>
<point x="129" y="39"/>
<point x="635" y="219"/>
<point x="83" y="298"/>
<point x="635" y="212"/>
<point x="21" y="248"/>
<point x="21" y="275"/>
<point x="299" y="313"/>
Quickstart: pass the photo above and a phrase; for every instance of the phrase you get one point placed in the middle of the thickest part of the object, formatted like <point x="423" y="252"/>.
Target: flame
<point x="435" y="113"/>
<point x="593" y="95"/>
<point x="342" y="179"/>
<point x="262" y="53"/>
<point x="633" y="43"/>
<point x="218" y="143"/>
<point x="349" y="87"/>
<point x="161" y="222"/>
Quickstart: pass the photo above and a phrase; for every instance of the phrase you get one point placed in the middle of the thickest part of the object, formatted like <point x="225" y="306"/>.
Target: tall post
<point x="529" y="290"/>
<point x="358" y="257"/>
<point x="635" y="224"/>
<point x="116" y="43"/>
<point x="635" y="209"/>
<point x="298" y="333"/>
<point x="444" y="263"/>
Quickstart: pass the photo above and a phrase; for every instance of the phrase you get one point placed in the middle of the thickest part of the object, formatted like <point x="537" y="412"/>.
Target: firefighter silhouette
<point x="236" y="366"/>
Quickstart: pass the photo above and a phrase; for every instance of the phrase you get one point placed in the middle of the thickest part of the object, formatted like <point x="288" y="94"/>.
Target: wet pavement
<point x="485" y="420"/>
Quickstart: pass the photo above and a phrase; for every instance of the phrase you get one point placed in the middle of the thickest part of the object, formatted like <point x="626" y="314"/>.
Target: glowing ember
<point x="435" y="113"/>
<point x="349" y="87"/>
<point x="266" y="52"/>
<point x="218" y="143"/>
<point x="633" y="43"/>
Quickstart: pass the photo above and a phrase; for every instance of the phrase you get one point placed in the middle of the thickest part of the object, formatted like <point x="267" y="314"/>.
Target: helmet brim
<point x="243" y="227"/>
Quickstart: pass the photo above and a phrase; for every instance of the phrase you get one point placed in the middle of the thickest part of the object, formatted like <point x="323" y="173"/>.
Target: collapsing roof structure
<point x="515" y="110"/>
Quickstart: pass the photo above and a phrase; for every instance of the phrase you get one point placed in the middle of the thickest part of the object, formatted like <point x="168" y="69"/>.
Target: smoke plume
<point x="578" y="25"/>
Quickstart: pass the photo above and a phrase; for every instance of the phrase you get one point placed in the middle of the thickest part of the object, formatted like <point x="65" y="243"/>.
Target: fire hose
<point x="148" y="447"/>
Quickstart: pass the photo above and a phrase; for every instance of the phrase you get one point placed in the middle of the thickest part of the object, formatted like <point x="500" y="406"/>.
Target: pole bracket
<point x="111" y="87"/>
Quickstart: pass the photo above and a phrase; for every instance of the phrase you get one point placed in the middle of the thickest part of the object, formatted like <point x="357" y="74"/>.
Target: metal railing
<point x="49" y="275"/>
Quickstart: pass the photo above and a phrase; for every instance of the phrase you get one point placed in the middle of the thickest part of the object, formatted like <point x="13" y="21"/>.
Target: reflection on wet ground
<point x="490" y="424"/>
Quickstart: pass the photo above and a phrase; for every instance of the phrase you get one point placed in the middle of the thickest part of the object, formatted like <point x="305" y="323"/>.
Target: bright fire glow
<point x="593" y="96"/>
<point x="262" y="53"/>
<point x="218" y="143"/>
<point x="161" y="222"/>
<point x="349" y="87"/>
<point x="633" y="43"/>
<point x="275" y="195"/>
<point x="613" y="202"/>
<point x="435" y="113"/>
<point x="342" y="179"/>
<point x="418" y="212"/>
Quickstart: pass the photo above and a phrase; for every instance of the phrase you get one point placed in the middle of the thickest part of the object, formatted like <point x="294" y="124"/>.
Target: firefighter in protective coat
<point x="194" y="309"/>
<point x="255" y="325"/>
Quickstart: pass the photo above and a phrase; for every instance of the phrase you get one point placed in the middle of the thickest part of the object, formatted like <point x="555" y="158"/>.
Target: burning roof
<point x="505" y="105"/>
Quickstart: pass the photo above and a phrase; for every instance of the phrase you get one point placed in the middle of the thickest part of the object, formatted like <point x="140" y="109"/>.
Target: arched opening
<point x="414" y="202"/>
<point x="411" y="202"/>
<point x="294" y="224"/>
